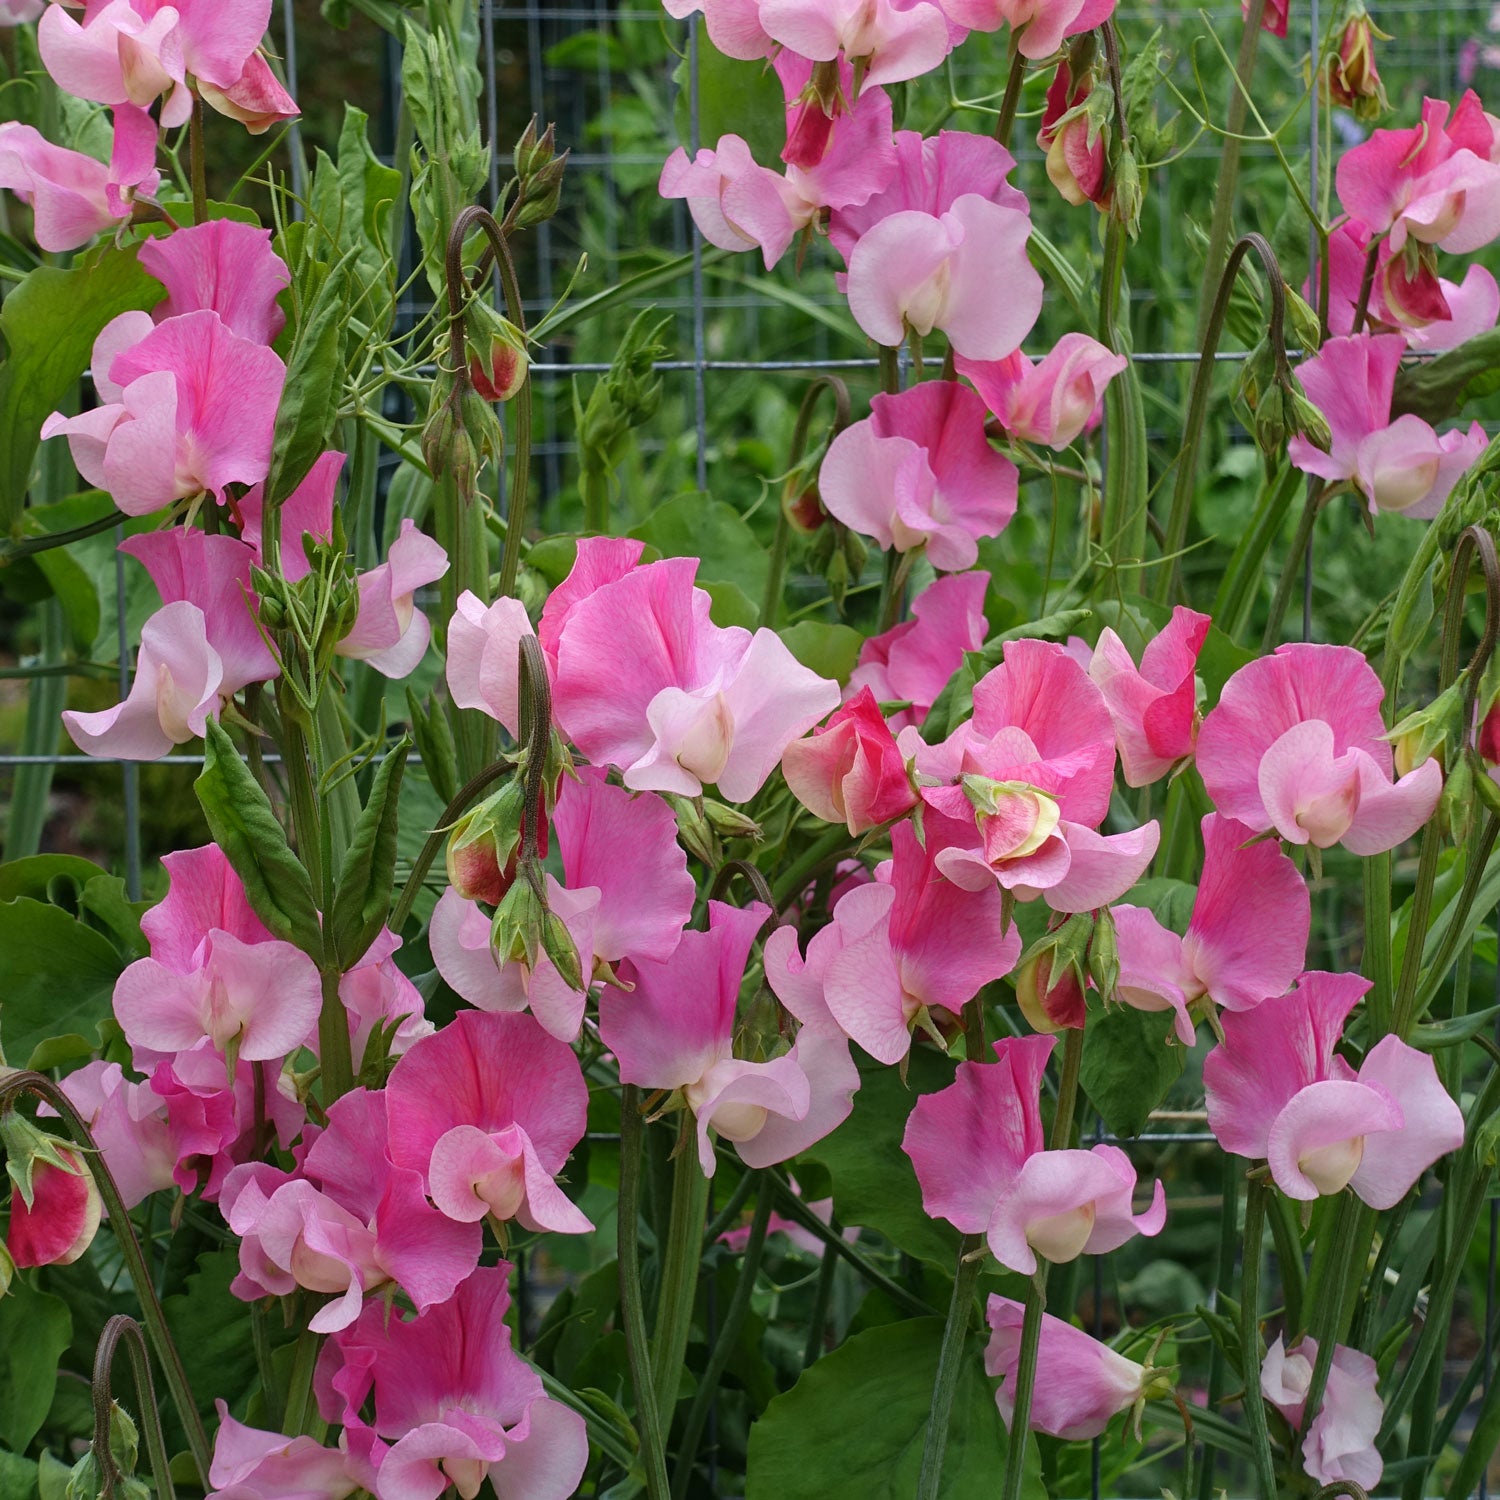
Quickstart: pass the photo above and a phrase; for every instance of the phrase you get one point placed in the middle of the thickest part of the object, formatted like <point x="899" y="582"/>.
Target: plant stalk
<point x="1255" y="1406"/>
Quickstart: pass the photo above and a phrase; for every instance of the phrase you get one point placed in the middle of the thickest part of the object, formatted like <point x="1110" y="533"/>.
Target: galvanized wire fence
<point x="611" y="76"/>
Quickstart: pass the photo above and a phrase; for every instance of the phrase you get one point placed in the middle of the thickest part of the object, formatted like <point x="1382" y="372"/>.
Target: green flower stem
<point x="1255" y="1406"/>
<point x="334" y="1052"/>
<point x="679" y="1275"/>
<point x="729" y="1336"/>
<point x="337" y="792"/>
<point x="1379" y="963"/>
<point x="1231" y="1177"/>
<point x="301" y="1409"/>
<point x="893" y="588"/>
<point x="632" y="1303"/>
<point x="17" y="1082"/>
<point x="1291" y="572"/>
<point x="950" y="1364"/>
<point x="1011" y="100"/>
<point x="817" y="1323"/>
<point x="1287" y="1242"/>
<point x="520" y="481"/>
<point x="1124" y="509"/>
<point x="1242" y="578"/>
<point x="1020" y="1419"/>
<point x="1067" y="1089"/>
<point x="118" y="1328"/>
<point x="301" y="797"/>
<point x="1455" y="934"/>
<point x="1332" y="1306"/>
<point x="809" y="862"/>
<point x="198" y="162"/>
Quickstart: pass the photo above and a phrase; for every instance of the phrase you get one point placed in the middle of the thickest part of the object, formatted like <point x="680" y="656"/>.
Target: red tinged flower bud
<point x="54" y="1208"/>
<point x="1074" y="136"/>
<point x="485" y="843"/>
<point x="1353" y="78"/>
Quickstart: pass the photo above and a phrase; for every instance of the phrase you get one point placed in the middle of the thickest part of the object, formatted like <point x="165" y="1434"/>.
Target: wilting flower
<point x="1297" y="743"/>
<point x="1051" y="402"/>
<point x="390" y="632"/>
<point x="1353" y="78"/>
<point x="1277" y="1092"/>
<point x="981" y="1159"/>
<point x="1340" y="1444"/>
<point x="1072" y="134"/>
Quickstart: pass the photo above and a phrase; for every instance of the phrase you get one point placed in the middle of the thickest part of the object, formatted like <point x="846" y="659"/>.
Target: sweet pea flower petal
<point x="222" y="266"/>
<point x="736" y="203"/>
<point x="306" y="512"/>
<point x="1154" y="975"/>
<point x="483" y="666"/>
<point x="832" y="1081"/>
<point x="1340" y="1444"/>
<point x="1433" y="1124"/>
<point x="897" y="42"/>
<point x="203" y="894"/>
<point x="849" y="770"/>
<point x="256" y="98"/>
<point x="252" y="1464"/>
<point x="60" y="1222"/>
<point x="1050" y="402"/>
<point x="390" y="632"/>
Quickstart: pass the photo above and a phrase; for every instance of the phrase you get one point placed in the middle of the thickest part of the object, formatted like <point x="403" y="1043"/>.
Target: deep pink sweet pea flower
<point x="1278" y="1092"/>
<point x="849" y="770"/>
<point x="1051" y="402"/>
<point x="487" y="1111"/>
<point x="390" y="632"/>
<point x="59" y="1223"/>
<point x="252" y="1464"/>
<point x="1340" y="1444"/>
<point x="306" y="512"/>
<point x="203" y="894"/>
<point x="919" y="272"/>
<point x="262" y="999"/>
<point x="1402" y="465"/>
<point x="896" y="948"/>
<point x="919" y="472"/>
<point x="647" y="682"/>
<point x="222" y="266"/>
<point x="453" y="1400"/>
<point x="912" y="662"/>
<point x="675" y="1030"/>
<point x="1436" y="182"/>
<point x="1273" y="18"/>
<point x="1040" y="25"/>
<point x="1081" y="1384"/>
<point x="1297" y="743"/>
<point x="932" y="173"/>
<point x="1155" y="708"/>
<point x="1246" y="940"/>
<point x="346" y="1223"/>
<point x="188" y="406"/>
<point x="256" y="98"/>
<point x="894" y="41"/>
<point x="73" y="196"/>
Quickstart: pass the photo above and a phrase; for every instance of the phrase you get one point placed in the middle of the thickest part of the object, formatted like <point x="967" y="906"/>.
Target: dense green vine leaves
<point x="35" y="1328"/>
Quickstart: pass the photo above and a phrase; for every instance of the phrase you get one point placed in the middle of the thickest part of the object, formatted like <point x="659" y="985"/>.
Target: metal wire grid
<point x="581" y="106"/>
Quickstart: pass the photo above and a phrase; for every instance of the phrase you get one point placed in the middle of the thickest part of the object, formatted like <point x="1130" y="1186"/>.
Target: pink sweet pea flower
<point x="203" y="894"/>
<point x="72" y="196"/>
<point x="1155" y="709"/>
<point x="894" y="41"/>
<point x="1039" y="25"/>
<point x="733" y="26"/>
<point x="912" y="662"/>
<point x="979" y="1153"/>
<point x="252" y="1464"/>
<point x="1340" y="1444"/>
<point x="1051" y="402"/>
<point x="452" y="1399"/>
<point x="895" y="949"/>
<point x="19" y="12"/>
<point x="1077" y="154"/>
<point x="1278" y="1092"/>
<point x="377" y="994"/>
<point x="1401" y="466"/>
<point x="306" y="512"/>
<point x="675" y="1030"/>
<point x="919" y="472"/>
<point x="1081" y="1384"/>
<point x="1246" y="940"/>
<point x="1273" y="19"/>
<point x="647" y="682"/>
<point x="60" y="1219"/>
<point x="256" y="98"/>
<point x="487" y="1111"/>
<point x="222" y="266"/>
<point x="347" y="1223"/>
<point x="188" y="406"/>
<point x="390" y="632"/>
<point x="919" y="272"/>
<point x="483" y="657"/>
<point x="1436" y="182"/>
<point x="1297" y="743"/>
<point x="849" y="770"/>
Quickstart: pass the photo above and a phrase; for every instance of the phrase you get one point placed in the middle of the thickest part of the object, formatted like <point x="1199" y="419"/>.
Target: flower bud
<point x="1353" y="78"/>
<point x="1305" y="329"/>
<point x="730" y="821"/>
<point x="803" y="505"/>
<point x="558" y="945"/>
<point x="1127" y="192"/>
<point x="543" y="193"/>
<point x="694" y="828"/>
<point x="1302" y="416"/>
<point x="484" y="845"/>
<point x="55" y="1208"/>
<point x="7" y="1269"/>
<point x="447" y="448"/>
<point x="1456" y="801"/>
<point x="516" y="934"/>
<point x="1423" y="734"/>
<point x="1050" y="1004"/>
<point x="497" y="352"/>
<point x="532" y="154"/>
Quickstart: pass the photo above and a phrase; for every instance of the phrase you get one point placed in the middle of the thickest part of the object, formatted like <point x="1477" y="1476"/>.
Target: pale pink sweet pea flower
<point x="1155" y="707"/>
<point x="733" y="26"/>
<point x="19" y="12"/>
<point x="188" y="406"/>
<point x="919" y="472"/>
<point x="1246" y="939"/>
<point x="980" y="1156"/>
<point x="849" y="770"/>
<point x="483" y="656"/>
<point x="73" y="196"/>
<point x="915" y="271"/>
<point x="390" y="632"/>
<point x="306" y="512"/>
<point x="376" y="993"/>
<point x="912" y="661"/>
<point x="1436" y="182"/>
<point x="487" y="1111"/>
<point x="1297" y="743"/>
<point x="1340" y="1444"/>
<point x="1050" y="402"/>
<point x="222" y="266"/>
<point x="453" y="1401"/>
<point x="1081" y="1384"/>
<point x="1039" y="25"/>
<point x="675" y="1030"/>
<point x="894" y="41"/>
<point x="347" y="1223"/>
<point x="897" y="948"/>
<point x="1278" y="1092"/>
<point x="1402" y="466"/>
<point x="647" y="682"/>
<point x="256" y="98"/>
<point x="203" y="895"/>
<point x="250" y="1463"/>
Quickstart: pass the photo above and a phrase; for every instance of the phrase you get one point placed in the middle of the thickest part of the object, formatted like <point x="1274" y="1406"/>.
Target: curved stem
<point x="118" y="1328"/>
<point x="1255" y="1406"/>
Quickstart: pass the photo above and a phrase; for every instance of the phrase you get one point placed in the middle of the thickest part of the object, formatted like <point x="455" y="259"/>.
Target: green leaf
<point x="20" y="1477"/>
<point x="873" y="1182"/>
<point x="853" y="1427"/>
<point x="830" y="650"/>
<point x="362" y="898"/>
<point x="734" y="98"/>
<point x="243" y="825"/>
<point x="699" y="526"/>
<point x="59" y="977"/>
<point x="1439" y="388"/>
<point x="731" y="605"/>
<point x="49" y="322"/>
<point x="214" y="1332"/>
<point x="59" y="878"/>
<point x="1129" y="1063"/>
<point x="35" y="1328"/>
<point x="1432" y="1036"/>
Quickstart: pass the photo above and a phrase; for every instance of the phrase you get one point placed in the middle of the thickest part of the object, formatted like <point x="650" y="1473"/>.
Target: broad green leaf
<point x="362" y="898"/>
<point x="1439" y="388"/>
<point x="734" y="98"/>
<point x="59" y="878"/>
<point x="830" y="650"/>
<point x="1170" y="901"/>
<point x="20" y="1477"/>
<point x="731" y="606"/>
<point x="873" y="1182"/>
<point x="35" y="1328"/>
<point x="700" y="526"/>
<point x="49" y="322"/>
<point x="213" y="1332"/>
<point x="1129" y="1063"/>
<point x="59" y="976"/>
<point x="853" y="1427"/>
<point x="244" y="826"/>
